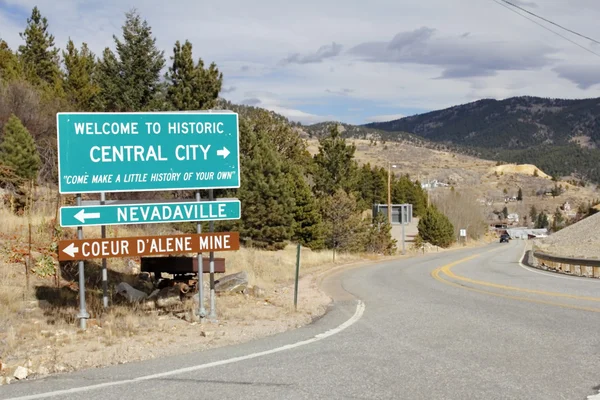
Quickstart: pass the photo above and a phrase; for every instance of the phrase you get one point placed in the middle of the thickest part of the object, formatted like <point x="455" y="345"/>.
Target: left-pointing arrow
<point x="81" y="216"/>
<point x="71" y="250"/>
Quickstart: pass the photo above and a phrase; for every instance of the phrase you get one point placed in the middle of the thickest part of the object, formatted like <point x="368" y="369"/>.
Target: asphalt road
<point x="467" y="324"/>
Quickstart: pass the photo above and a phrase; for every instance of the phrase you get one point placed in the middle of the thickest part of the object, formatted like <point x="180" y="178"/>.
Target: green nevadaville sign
<point x="122" y="152"/>
<point x="150" y="213"/>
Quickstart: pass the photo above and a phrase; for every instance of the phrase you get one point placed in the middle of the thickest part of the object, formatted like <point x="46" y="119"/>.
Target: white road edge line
<point x="550" y="274"/>
<point x="360" y="309"/>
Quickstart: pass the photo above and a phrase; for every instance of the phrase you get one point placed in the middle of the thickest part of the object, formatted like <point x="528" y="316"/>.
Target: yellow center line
<point x="446" y="269"/>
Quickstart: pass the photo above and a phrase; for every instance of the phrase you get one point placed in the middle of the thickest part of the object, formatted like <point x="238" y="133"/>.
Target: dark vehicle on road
<point x="504" y="237"/>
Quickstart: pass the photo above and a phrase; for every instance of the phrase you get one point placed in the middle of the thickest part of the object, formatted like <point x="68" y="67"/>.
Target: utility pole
<point x="389" y="192"/>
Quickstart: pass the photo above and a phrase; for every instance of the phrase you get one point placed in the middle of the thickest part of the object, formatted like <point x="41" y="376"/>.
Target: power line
<point x="550" y="22"/>
<point x="500" y="2"/>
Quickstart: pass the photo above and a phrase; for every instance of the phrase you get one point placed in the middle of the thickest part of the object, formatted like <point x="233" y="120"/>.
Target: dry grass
<point x="268" y="269"/>
<point x="41" y="323"/>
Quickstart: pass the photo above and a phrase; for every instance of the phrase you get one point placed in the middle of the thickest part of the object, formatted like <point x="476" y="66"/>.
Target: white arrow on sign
<point x="81" y="216"/>
<point x="71" y="250"/>
<point x="223" y="152"/>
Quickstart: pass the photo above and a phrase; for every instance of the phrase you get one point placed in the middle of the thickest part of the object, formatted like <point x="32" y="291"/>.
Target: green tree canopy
<point x="18" y="150"/>
<point x="335" y="167"/>
<point x="191" y="86"/>
<point x="130" y="80"/>
<point x="39" y="55"/>
<point x="10" y="66"/>
<point x="435" y="228"/>
<point x="80" y="68"/>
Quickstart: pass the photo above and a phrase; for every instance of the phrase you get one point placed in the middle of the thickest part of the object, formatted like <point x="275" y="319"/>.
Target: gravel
<point x="580" y="240"/>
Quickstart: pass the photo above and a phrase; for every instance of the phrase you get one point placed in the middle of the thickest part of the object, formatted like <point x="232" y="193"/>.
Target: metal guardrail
<point x="566" y="265"/>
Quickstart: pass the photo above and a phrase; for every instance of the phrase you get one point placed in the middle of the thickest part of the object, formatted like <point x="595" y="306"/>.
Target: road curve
<point x="466" y="324"/>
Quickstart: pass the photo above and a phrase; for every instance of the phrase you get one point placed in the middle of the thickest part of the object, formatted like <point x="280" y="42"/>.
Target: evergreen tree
<point x="379" y="239"/>
<point x="130" y="80"/>
<point x="18" y="150"/>
<point x="266" y="193"/>
<point x="505" y="212"/>
<point x="192" y="87"/>
<point x="308" y="227"/>
<point x="533" y="214"/>
<point x="10" y="67"/>
<point x="558" y="220"/>
<point x="39" y="55"/>
<point x="520" y="195"/>
<point x="80" y="86"/>
<point x="335" y="167"/>
<point x="435" y="228"/>
<point x="542" y="221"/>
<point x="345" y="230"/>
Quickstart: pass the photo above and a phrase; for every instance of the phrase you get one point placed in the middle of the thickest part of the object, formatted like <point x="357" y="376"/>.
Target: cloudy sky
<point x="353" y="61"/>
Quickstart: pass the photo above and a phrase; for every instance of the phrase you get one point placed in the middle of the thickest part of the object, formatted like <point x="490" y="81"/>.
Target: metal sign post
<point x="109" y="152"/>
<point x="201" y="309"/>
<point x="213" y="306"/>
<point x="104" y="267"/>
<point x="83" y="314"/>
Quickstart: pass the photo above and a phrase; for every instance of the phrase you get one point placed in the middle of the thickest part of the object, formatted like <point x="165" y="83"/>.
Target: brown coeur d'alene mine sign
<point x="138" y="246"/>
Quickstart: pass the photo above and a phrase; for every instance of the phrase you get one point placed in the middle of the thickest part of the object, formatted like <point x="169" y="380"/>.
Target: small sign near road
<point x="150" y="213"/>
<point x="69" y="250"/>
<point x="463" y="233"/>
<point x="133" y="152"/>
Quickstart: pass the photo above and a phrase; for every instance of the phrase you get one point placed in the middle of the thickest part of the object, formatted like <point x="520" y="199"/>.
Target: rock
<point x="144" y="286"/>
<point x="234" y="283"/>
<point x="7" y="380"/>
<point x="130" y="293"/>
<point x="154" y="294"/>
<point x="257" y="292"/>
<point x="148" y="305"/>
<point x="168" y="296"/>
<point x="206" y="334"/>
<point x="21" y="373"/>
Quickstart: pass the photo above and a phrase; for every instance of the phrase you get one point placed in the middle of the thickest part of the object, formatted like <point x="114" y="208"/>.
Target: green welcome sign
<point x="122" y="152"/>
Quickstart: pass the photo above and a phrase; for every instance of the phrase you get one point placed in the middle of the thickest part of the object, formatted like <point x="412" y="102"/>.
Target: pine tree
<point x="379" y="239"/>
<point x="520" y="195"/>
<point x="10" y="67"/>
<point x="308" y="227"/>
<point x="192" y="87"/>
<point x="533" y="213"/>
<point x="435" y="228"/>
<point x="39" y="55"/>
<point x="18" y="150"/>
<point x="130" y="80"/>
<point x="182" y="78"/>
<point x="335" y="167"/>
<point x="558" y="220"/>
<point x="266" y="193"/>
<point x="542" y="221"/>
<point x="345" y="230"/>
<point x="80" y="86"/>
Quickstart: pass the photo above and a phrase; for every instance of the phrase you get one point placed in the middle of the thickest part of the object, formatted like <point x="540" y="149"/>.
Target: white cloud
<point x="248" y="40"/>
<point x="384" y="118"/>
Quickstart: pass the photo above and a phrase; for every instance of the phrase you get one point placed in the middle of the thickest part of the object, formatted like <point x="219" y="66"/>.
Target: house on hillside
<point x="513" y="217"/>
